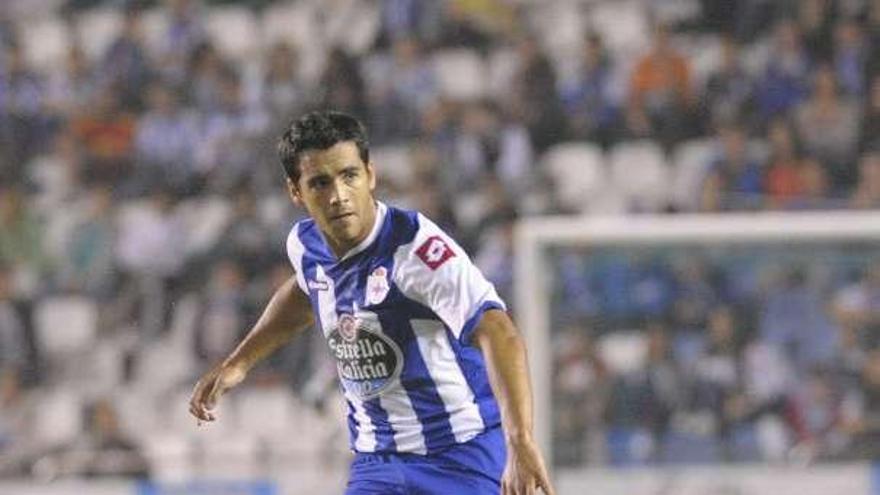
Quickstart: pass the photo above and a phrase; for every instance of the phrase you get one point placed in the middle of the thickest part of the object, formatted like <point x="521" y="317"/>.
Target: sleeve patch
<point x="434" y="252"/>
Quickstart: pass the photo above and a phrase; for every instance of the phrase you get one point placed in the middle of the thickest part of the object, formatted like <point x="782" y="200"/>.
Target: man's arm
<point x="505" y="354"/>
<point x="288" y="313"/>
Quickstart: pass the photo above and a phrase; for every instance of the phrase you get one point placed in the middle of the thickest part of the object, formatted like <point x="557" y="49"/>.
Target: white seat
<point x="206" y="219"/>
<point x="622" y="24"/>
<point x="577" y="171"/>
<point x="97" y="29"/>
<point x="59" y="419"/>
<point x="639" y="171"/>
<point x="154" y="24"/>
<point x="292" y="22"/>
<point x="266" y="412"/>
<point x="624" y="351"/>
<point x="45" y="42"/>
<point x="170" y="456"/>
<point x="460" y="74"/>
<point x="393" y="164"/>
<point x="234" y="31"/>
<point x="66" y="325"/>
<point x="690" y="161"/>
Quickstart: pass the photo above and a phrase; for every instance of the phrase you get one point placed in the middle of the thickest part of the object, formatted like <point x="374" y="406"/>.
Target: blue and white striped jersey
<point x="397" y="312"/>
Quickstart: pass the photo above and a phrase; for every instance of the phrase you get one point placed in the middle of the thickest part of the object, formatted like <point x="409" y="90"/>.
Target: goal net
<point x="626" y="320"/>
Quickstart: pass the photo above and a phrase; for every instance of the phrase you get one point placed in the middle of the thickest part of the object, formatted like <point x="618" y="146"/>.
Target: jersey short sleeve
<point x="295" y="250"/>
<point x="436" y="272"/>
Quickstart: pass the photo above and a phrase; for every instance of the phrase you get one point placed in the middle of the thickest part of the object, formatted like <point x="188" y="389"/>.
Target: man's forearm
<point x="287" y="314"/>
<point x="506" y="363"/>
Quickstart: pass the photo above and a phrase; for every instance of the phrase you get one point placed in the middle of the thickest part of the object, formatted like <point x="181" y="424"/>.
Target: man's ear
<point x="371" y="175"/>
<point x="293" y="192"/>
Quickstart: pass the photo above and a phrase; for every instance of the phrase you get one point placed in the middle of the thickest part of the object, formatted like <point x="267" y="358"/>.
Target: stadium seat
<point x="393" y="164"/>
<point x="640" y="172"/>
<point x="96" y="29"/>
<point x="46" y="42"/>
<point x="690" y="162"/>
<point x="155" y="24"/>
<point x="560" y="24"/>
<point x="623" y="351"/>
<point x="170" y="456"/>
<point x="577" y="171"/>
<point x="460" y="74"/>
<point x="234" y="31"/>
<point x="59" y="419"/>
<point x="622" y="25"/>
<point x="66" y="325"/>
<point x="354" y="27"/>
<point x="266" y="411"/>
<point x="206" y="219"/>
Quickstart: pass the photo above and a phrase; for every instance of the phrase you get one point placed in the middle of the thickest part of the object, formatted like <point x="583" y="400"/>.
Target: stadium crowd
<point x="140" y="199"/>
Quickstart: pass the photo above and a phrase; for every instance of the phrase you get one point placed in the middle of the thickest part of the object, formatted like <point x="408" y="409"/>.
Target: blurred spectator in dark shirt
<point x="22" y="234"/>
<point x="870" y="138"/>
<point x="166" y="139"/>
<point x="783" y="181"/>
<point x="13" y="338"/>
<point x="125" y="64"/>
<point x="867" y="192"/>
<point x="828" y="126"/>
<point x="734" y="179"/>
<point x="534" y="97"/>
<point x="282" y="91"/>
<point x="106" y="132"/>
<point x="862" y="420"/>
<point x="660" y="93"/>
<point x="729" y="90"/>
<point x="784" y="81"/>
<point x="850" y="57"/>
<point x="223" y="313"/>
<point x="587" y="98"/>
<point x="23" y="123"/>
<point x="72" y="88"/>
<point x="342" y="86"/>
<point x="183" y="37"/>
<point x="87" y="263"/>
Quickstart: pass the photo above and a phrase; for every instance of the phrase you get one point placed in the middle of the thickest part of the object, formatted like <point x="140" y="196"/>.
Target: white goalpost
<point x="533" y="272"/>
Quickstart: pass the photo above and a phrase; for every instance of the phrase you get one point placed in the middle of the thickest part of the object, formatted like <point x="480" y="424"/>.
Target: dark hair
<point x="319" y="131"/>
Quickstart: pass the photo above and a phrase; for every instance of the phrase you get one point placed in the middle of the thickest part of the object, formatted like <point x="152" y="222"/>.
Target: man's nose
<point x="338" y="192"/>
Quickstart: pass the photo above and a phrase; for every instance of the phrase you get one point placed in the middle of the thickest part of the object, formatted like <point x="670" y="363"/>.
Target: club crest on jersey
<point x="434" y="252"/>
<point x="348" y="328"/>
<point x="369" y="363"/>
<point x="377" y="285"/>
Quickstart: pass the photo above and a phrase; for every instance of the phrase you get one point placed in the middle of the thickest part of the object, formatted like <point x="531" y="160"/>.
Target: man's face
<point x="336" y="188"/>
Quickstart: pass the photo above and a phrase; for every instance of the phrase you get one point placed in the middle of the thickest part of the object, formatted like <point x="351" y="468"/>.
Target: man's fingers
<point x="545" y="485"/>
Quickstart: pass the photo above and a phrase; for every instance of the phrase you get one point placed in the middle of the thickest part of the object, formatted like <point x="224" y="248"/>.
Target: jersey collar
<point x="381" y="210"/>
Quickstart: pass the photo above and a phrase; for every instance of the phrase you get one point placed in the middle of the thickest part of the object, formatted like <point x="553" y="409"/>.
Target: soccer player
<point x="431" y="366"/>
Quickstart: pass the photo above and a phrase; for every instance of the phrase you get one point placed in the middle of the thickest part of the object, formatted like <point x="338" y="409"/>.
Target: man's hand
<point x="525" y="471"/>
<point x="211" y="387"/>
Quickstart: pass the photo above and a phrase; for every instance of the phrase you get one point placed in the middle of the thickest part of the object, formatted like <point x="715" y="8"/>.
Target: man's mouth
<point x="341" y="216"/>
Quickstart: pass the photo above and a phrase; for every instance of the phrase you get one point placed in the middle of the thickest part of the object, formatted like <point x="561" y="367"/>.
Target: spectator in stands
<point x="729" y="90"/>
<point x="230" y="133"/>
<point x="784" y="81"/>
<point x="816" y="188"/>
<point x="106" y="133"/>
<point x="862" y="420"/>
<point x="850" y="57"/>
<point x="207" y="70"/>
<point x="587" y="98"/>
<point x="870" y="138"/>
<point x="125" y="64"/>
<point x="341" y="85"/>
<point x="476" y="25"/>
<point x="151" y="254"/>
<point x="282" y="91"/>
<point x="13" y="339"/>
<point x="401" y="86"/>
<point x="87" y="260"/>
<point x="828" y="126"/>
<point x="223" y="312"/>
<point x="581" y="382"/>
<point x="246" y="238"/>
<point x="71" y="89"/>
<point x="858" y="305"/>
<point x="660" y="94"/>
<point x="166" y="139"/>
<point x="867" y="192"/>
<point x="534" y="97"/>
<point x="57" y="175"/>
<point x="734" y="179"/>
<point x="182" y="39"/>
<point x="22" y="234"/>
<point x="783" y="179"/>
<point x="23" y="123"/>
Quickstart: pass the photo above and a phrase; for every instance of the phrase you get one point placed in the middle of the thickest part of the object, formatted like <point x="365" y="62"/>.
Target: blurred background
<point x="143" y="218"/>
